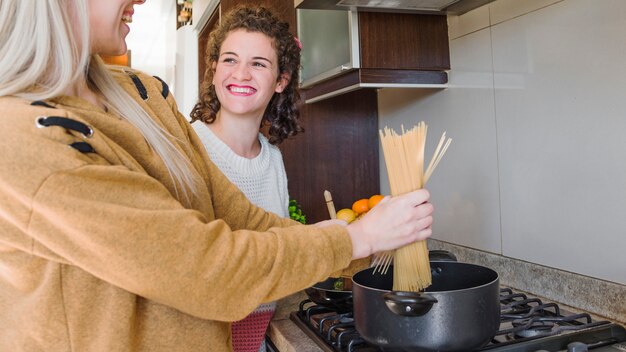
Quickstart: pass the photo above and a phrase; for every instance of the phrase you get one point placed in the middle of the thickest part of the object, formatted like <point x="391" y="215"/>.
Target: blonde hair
<point x="41" y="57"/>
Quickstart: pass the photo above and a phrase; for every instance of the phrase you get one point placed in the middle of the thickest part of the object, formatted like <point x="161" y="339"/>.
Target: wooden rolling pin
<point x="330" y="205"/>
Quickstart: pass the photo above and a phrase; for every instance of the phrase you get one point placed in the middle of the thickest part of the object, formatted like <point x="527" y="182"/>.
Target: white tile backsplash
<point x="536" y="107"/>
<point x="560" y="134"/>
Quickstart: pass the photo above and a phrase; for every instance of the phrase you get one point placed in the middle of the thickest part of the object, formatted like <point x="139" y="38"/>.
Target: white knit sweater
<point x="264" y="181"/>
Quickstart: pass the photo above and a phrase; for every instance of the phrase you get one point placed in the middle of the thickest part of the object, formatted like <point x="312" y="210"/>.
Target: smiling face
<point x="108" y="25"/>
<point x="246" y="73"/>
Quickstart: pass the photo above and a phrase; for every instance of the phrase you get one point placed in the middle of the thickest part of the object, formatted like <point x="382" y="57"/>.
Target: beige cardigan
<point x="97" y="255"/>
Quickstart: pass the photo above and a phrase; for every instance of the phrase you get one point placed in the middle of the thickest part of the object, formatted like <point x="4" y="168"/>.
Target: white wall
<point x="152" y="38"/>
<point x="536" y="107"/>
<point x="186" y="81"/>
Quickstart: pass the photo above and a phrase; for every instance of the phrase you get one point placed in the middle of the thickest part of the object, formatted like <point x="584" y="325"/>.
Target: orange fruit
<point x="346" y="214"/>
<point x="360" y="206"/>
<point x="374" y="200"/>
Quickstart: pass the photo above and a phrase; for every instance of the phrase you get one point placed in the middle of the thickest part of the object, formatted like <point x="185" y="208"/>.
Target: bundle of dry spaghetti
<point x="404" y="158"/>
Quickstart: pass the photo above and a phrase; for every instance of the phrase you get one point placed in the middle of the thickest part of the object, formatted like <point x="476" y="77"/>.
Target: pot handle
<point x="409" y="303"/>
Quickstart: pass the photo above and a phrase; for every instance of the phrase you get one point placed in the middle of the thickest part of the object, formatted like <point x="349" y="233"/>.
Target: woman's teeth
<point x="127" y="18"/>
<point x="246" y="90"/>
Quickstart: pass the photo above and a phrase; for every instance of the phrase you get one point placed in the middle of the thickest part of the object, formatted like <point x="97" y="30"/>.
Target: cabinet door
<point x="404" y="41"/>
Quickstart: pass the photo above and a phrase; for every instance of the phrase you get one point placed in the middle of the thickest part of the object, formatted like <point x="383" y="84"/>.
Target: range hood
<point x="435" y="7"/>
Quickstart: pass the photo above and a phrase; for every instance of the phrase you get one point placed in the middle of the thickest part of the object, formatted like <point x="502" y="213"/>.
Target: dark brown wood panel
<point x="333" y="84"/>
<point x="368" y="75"/>
<point x="404" y="41"/>
<point x="338" y="152"/>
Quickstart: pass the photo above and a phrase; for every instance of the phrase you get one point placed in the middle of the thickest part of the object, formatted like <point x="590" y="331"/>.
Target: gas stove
<point x="527" y="325"/>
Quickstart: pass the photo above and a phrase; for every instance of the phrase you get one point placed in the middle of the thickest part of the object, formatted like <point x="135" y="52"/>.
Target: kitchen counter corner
<point x="284" y="333"/>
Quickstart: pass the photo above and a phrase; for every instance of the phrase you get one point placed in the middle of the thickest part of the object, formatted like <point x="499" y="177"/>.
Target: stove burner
<point x="532" y="328"/>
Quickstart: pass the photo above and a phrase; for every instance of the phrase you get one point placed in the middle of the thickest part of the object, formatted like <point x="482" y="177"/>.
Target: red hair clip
<point x="298" y="43"/>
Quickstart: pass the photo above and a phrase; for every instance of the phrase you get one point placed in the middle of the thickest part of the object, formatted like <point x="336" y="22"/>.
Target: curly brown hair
<point x="282" y="112"/>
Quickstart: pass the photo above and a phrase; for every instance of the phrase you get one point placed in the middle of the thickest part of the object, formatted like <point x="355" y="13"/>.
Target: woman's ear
<point x="283" y="81"/>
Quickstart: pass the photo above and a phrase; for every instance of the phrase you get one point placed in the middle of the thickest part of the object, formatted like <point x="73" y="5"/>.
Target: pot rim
<point x="315" y="287"/>
<point x="355" y="283"/>
<point x="327" y="290"/>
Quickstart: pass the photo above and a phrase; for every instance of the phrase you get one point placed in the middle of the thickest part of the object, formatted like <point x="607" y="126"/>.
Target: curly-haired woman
<point x="251" y="81"/>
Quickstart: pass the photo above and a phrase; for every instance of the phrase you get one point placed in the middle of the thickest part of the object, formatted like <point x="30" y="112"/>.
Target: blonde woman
<point x="117" y="233"/>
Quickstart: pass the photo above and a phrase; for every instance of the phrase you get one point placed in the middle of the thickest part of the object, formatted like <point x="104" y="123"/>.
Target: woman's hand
<point x="392" y="223"/>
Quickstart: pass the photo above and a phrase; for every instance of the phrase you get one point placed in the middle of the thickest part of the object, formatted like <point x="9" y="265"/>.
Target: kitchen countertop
<point x="284" y="333"/>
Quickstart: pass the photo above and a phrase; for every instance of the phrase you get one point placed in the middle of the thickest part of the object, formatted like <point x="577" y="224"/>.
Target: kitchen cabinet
<point x="394" y="50"/>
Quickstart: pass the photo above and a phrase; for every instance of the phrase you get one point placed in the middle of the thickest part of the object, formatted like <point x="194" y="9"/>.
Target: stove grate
<point x="527" y="324"/>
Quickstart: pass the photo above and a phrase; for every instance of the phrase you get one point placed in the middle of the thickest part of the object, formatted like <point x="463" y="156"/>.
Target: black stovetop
<point x="527" y="325"/>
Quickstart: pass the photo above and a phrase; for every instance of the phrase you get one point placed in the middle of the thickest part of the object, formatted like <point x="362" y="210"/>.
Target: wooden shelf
<point x="374" y="78"/>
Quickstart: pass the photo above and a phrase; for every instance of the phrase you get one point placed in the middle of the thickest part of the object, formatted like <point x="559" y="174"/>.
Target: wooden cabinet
<point x="403" y="41"/>
<point x="401" y="49"/>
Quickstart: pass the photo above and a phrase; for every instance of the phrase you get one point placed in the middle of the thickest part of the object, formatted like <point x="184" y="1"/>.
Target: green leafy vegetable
<point x="295" y="212"/>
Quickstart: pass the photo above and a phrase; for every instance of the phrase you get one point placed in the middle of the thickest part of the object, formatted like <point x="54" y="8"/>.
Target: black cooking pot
<point x="460" y="311"/>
